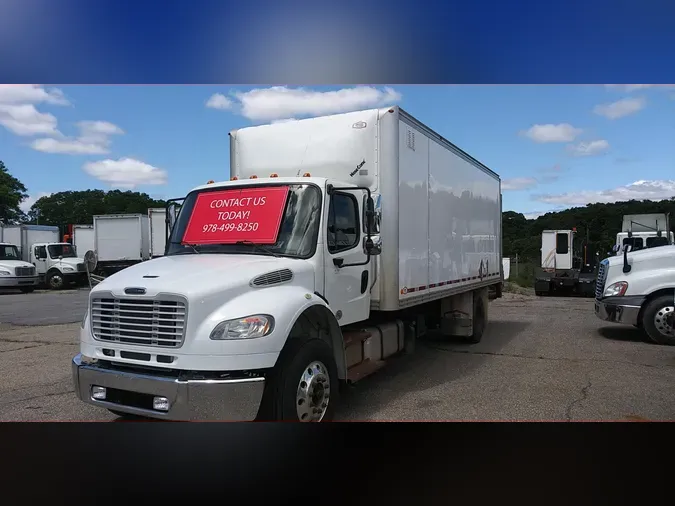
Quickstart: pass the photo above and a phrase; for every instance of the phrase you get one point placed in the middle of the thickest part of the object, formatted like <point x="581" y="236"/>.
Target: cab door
<point x="39" y="255"/>
<point x="347" y="275"/>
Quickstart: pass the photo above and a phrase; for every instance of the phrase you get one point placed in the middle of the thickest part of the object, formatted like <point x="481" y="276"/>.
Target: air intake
<point x="273" y="278"/>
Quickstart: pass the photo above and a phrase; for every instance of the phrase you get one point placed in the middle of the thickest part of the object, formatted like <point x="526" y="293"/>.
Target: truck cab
<point x="57" y="264"/>
<point x="638" y="288"/>
<point x="14" y="272"/>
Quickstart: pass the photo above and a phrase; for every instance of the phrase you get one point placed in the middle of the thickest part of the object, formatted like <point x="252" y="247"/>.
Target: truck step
<point x="365" y="368"/>
<point x="355" y="336"/>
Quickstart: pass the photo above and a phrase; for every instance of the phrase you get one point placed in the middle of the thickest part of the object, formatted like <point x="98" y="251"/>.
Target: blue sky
<point x="553" y="146"/>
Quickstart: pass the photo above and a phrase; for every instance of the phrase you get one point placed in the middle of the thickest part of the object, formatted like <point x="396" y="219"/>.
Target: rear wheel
<point x="479" y="320"/>
<point x="657" y="320"/>
<point x="304" y="385"/>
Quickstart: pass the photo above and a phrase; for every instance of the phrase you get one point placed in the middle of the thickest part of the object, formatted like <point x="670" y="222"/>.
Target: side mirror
<point x="370" y="215"/>
<point x="372" y="246"/>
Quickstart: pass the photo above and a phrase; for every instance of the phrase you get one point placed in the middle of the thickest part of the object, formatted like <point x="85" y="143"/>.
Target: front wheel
<point x="304" y="384"/>
<point x="657" y="320"/>
<point x="55" y="280"/>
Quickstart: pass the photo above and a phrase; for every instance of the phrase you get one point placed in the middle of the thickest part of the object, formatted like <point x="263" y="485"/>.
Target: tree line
<point x="69" y="207"/>
<point x="599" y="223"/>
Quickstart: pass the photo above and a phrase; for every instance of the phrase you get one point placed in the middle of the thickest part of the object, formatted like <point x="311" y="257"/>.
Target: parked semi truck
<point x="120" y="240"/>
<point x="568" y="264"/>
<point x="638" y="288"/>
<point x="640" y="231"/>
<point x="336" y="244"/>
<point x="56" y="263"/>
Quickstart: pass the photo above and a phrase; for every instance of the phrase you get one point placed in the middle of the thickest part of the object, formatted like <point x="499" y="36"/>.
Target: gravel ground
<point x="540" y="359"/>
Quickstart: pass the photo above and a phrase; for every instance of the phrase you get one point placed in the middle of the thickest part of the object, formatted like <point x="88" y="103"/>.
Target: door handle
<point x="338" y="262"/>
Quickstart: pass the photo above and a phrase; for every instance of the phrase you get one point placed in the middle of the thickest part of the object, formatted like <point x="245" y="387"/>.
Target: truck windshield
<point x="61" y="250"/>
<point x="296" y="235"/>
<point x="9" y="252"/>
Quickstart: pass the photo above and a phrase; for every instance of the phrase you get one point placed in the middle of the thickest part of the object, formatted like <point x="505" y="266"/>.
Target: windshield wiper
<point x="260" y="247"/>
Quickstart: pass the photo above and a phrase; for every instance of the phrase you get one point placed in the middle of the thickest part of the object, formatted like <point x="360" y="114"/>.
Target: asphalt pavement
<point x="540" y="359"/>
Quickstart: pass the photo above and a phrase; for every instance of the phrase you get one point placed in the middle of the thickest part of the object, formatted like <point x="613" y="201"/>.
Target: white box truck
<point x="57" y="263"/>
<point x="83" y="238"/>
<point x="157" y="221"/>
<point x="337" y="242"/>
<point x="120" y="240"/>
<point x="14" y="272"/>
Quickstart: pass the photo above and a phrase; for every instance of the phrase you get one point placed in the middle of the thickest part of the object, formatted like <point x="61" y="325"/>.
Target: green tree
<point x="79" y="207"/>
<point x="12" y="193"/>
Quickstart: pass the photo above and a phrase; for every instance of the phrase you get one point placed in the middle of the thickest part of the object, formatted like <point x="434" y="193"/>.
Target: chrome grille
<point x="140" y="321"/>
<point x="600" y="281"/>
<point x="24" y="271"/>
<point x="273" y="278"/>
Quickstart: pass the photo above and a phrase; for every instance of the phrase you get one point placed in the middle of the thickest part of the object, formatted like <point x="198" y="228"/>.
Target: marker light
<point x="274" y="174"/>
<point x="253" y="177"/>
<point x="234" y="178"/>
<point x="210" y="181"/>
<point x="306" y="174"/>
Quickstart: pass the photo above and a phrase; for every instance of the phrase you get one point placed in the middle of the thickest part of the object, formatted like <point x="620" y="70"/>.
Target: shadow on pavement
<point x="624" y="334"/>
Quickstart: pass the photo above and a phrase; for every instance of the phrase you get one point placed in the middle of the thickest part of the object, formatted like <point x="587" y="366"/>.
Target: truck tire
<point x="55" y="280"/>
<point x="303" y="386"/>
<point x="27" y="289"/>
<point x="657" y="320"/>
<point x="479" y="321"/>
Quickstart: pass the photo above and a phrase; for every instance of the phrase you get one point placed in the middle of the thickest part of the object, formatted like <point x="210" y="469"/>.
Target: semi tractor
<point x="568" y="264"/>
<point x="640" y="231"/>
<point x="337" y="243"/>
<point x="638" y="288"/>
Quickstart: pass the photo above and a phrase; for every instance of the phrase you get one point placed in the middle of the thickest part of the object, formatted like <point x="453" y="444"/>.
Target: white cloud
<point x="281" y="102"/>
<point x="94" y="139"/>
<point x="592" y="148"/>
<point x="18" y="113"/>
<point x="28" y="202"/>
<point x="26" y="120"/>
<point x="518" y="183"/>
<point x="639" y="190"/>
<point x="563" y="132"/>
<point x="533" y="215"/>
<point x="125" y="172"/>
<point x="620" y="108"/>
<point x="30" y="94"/>
<point x="219" y="101"/>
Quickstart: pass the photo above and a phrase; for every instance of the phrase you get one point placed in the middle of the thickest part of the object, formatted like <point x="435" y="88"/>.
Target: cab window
<point x="343" y="223"/>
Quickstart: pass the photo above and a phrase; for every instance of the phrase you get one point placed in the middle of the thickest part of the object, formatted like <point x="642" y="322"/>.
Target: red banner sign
<point x="230" y="216"/>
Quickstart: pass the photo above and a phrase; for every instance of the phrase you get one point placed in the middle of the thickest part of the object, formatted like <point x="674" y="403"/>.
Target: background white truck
<point x="56" y="263"/>
<point x="339" y="240"/>
<point x="14" y="272"/>
<point x="157" y="223"/>
<point x="120" y="240"/>
<point x="641" y="231"/>
<point x="83" y="238"/>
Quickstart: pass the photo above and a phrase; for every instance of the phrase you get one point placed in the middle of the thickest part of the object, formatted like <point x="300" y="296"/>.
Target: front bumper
<point x="624" y="310"/>
<point x="197" y="400"/>
<point x="17" y="282"/>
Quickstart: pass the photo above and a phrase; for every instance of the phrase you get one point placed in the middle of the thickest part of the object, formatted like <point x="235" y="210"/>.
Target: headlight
<point x="244" y="328"/>
<point x="5" y="273"/>
<point x="616" y="289"/>
<point x="67" y="268"/>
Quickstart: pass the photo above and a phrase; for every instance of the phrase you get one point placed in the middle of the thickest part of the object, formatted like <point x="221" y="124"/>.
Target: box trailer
<point x="338" y="241"/>
<point x="83" y="238"/>
<point x="120" y="240"/>
<point x="157" y="221"/>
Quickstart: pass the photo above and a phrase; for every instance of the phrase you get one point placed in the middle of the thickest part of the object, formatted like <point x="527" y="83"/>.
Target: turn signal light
<point x="306" y="174"/>
<point x="234" y="178"/>
<point x="274" y="174"/>
<point x="254" y="177"/>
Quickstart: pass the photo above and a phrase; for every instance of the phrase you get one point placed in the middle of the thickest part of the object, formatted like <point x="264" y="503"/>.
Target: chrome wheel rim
<point x="313" y="394"/>
<point x="663" y="321"/>
<point x="55" y="281"/>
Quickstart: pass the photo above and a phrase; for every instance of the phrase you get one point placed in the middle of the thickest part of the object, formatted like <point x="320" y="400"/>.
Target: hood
<point x="11" y="264"/>
<point x="202" y="274"/>
<point x="649" y="255"/>
<point x="72" y="261"/>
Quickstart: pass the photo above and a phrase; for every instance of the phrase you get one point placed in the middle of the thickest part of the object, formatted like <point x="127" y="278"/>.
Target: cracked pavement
<point x="540" y="359"/>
